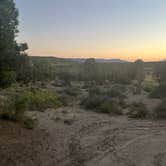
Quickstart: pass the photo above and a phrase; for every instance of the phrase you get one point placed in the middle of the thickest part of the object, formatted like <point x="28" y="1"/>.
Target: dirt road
<point x="73" y="137"/>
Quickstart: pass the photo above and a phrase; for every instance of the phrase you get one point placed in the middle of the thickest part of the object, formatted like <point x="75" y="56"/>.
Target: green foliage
<point x="16" y="101"/>
<point x="137" y="110"/>
<point x="42" y="71"/>
<point x="7" y="78"/>
<point x="66" y="77"/>
<point x="29" y="123"/>
<point x="8" y="27"/>
<point x="92" y="71"/>
<point x="41" y="99"/>
<point x="23" y="47"/>
<point x="102" y="105"/>
<point x="12" y="56"/>
<point x="139" y="71"/>
<point x="100" y="100"/>
<point x="14" y="107"/>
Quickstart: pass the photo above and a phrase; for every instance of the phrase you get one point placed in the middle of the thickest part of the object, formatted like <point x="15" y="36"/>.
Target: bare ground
<point x="73" y="137"/>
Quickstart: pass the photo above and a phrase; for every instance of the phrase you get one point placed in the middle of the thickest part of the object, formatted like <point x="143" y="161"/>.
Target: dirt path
<point x="73" y="137"/>
<point x="89" y="139"/>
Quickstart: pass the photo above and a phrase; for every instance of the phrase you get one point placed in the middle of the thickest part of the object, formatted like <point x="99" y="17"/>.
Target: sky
<point x="125" y="29"/>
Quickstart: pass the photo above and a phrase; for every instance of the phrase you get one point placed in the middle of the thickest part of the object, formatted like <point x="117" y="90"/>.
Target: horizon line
<point x="54" y="56"/>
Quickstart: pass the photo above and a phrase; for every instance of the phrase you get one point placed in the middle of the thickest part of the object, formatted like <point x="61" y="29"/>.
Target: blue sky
<point x="126" y="29"/>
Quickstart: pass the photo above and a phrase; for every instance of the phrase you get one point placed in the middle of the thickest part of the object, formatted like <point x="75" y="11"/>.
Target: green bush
<point x="29" y="123"/>
<point x="137" y="110"/>
<point x="100" y="101"/>
<point x="7" y="78"/>
<point x="14" y="107"/>
<point x="16" y="101"/>
<point x="92" y="102"/>
<point x="160" y="111"/>
<point x="41" y="99"/>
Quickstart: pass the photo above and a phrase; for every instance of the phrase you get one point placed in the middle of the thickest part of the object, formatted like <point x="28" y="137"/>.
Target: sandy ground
<point x="73" y="137"/>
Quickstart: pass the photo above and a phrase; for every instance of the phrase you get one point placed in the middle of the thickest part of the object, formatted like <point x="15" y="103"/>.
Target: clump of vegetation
<point x="160" y="91"/>
<point x="7" y="78"/>
<point x="150" y="81"/>
<point x="14" y="107"/>
<point x="29" y="123"/>
<point x="117" y="91"/>
<point x="16" y="101"/>
<point x="72" y="91"/>
<point x="3" y="104"/>
<point x="137" y="110"/>
<point x="160" y="111"/>
<point x="40" y="100"/>
<point x="111" y="107"/>
<point x="68" y="94"/>
<point x="101" y="101"/>
<point x="92" y="102"/>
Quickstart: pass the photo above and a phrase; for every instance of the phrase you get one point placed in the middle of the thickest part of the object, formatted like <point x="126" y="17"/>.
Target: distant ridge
<point x="81" y="60"/>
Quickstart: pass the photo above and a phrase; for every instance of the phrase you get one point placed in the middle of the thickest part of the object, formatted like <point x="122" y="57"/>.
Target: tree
<point x="140" y="74"/>
<point x="23" y="47"/>
<point x="11" y="55"/>
<point x="8" y="31"/>
<point x="91" y="70"/>
<point x="160" y="71"/>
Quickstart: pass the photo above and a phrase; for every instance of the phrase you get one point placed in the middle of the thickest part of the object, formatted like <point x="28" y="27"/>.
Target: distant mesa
<point x="82" y="60"/>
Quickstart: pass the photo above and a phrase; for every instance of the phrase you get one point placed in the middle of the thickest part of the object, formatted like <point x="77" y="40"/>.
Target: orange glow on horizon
<point x="126" y="55"/>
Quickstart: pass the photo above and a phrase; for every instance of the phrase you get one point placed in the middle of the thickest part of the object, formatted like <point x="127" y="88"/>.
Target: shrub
<point x="92" y="102"/>
<point x="15" y="102"/>
<point x="95" y="91"/>
<point x="100" y="101"/>
<point x="7" y="78"/>
<point x="117" y="92"/>
<point x="14" y="107"/>
<point x="41" y="99"/>
<point x="72" y="91"/>
<point x="110" y="107"/>
<point x="3" y="103"/>
<point x="160" y="111"/>
<point x="137" y="110"/>
<point x="29" y="123"/>
<point x="160" y="91"/>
